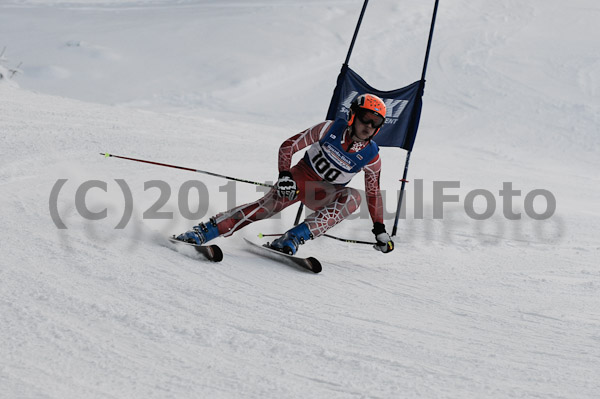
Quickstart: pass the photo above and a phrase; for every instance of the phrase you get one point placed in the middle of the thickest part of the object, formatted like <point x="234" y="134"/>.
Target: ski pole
<point x="107" y="155"/>
<point x="350" y="241"/>
<point x="325" y="235"/>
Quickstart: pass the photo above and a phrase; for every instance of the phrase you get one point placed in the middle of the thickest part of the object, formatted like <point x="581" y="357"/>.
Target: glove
<point x="286" y="186"/>
<point x="384" y="241"/>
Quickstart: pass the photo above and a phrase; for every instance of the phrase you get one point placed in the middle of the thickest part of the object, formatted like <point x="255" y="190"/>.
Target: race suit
<point x="321" y="177"/>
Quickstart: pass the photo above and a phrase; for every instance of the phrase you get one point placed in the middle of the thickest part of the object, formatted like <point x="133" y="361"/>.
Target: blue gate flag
<point x="403" y="108"/>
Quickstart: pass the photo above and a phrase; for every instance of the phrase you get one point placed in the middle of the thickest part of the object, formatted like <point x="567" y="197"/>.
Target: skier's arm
<point x="372" y="190"/>
<point x="298" y="142"/>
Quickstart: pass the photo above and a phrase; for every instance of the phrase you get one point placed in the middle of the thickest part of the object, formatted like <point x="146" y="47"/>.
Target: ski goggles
<point x="370" y="118"/>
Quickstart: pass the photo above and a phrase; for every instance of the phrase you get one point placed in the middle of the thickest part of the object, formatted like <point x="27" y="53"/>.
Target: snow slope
<point x="462" y="308"/>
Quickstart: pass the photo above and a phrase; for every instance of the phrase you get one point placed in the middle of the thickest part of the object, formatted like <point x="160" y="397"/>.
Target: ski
<point x="309" y="263"/>
<point x="211" y="252"/>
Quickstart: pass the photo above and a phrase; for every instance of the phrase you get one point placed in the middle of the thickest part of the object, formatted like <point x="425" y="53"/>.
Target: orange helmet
<point x="368" y="104"/>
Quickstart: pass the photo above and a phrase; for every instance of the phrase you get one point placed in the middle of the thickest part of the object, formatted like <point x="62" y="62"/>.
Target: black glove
<point x="286" y="186"/>
<point x="384" y="241"/>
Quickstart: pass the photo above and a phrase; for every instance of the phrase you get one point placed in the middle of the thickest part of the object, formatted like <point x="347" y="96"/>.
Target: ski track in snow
<point x="461" y="308"/>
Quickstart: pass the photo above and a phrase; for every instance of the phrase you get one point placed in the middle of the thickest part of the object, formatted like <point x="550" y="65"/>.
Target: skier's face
<point x="362" y="131"/>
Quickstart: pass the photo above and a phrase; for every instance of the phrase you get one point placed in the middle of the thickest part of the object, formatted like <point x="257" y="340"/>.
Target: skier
<point x="338" y="151"/>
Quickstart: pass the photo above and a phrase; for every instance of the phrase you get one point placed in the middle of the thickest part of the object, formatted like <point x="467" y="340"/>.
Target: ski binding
<point x="211" y="252"/>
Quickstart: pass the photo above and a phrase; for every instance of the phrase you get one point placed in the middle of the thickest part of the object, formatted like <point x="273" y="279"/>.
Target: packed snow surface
<point x="463" y="308"/>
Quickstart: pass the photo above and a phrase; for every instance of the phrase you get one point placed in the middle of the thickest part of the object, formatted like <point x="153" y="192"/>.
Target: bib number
<point x="324" y="167"/>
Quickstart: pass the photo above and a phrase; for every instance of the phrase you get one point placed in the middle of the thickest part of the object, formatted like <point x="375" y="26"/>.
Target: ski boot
<point x="200" y="234"/>
<point x="289" y="242"/>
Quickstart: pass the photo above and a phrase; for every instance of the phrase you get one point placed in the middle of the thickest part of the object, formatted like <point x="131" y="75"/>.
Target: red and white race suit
<point x="331" y="202"/>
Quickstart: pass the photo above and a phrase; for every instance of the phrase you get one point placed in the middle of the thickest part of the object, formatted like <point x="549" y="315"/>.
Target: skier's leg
<point x="227" y="223"/>
<point x="234" y="219"/>
<point x="346" y="201"/>
<point x="269" y="205"/>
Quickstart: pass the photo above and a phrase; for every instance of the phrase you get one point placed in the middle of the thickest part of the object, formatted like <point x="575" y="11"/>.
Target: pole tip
<point x="260" y="235"/>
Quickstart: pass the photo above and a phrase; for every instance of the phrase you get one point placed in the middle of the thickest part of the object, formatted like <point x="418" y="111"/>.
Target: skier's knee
<point x="353" y="194"/>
